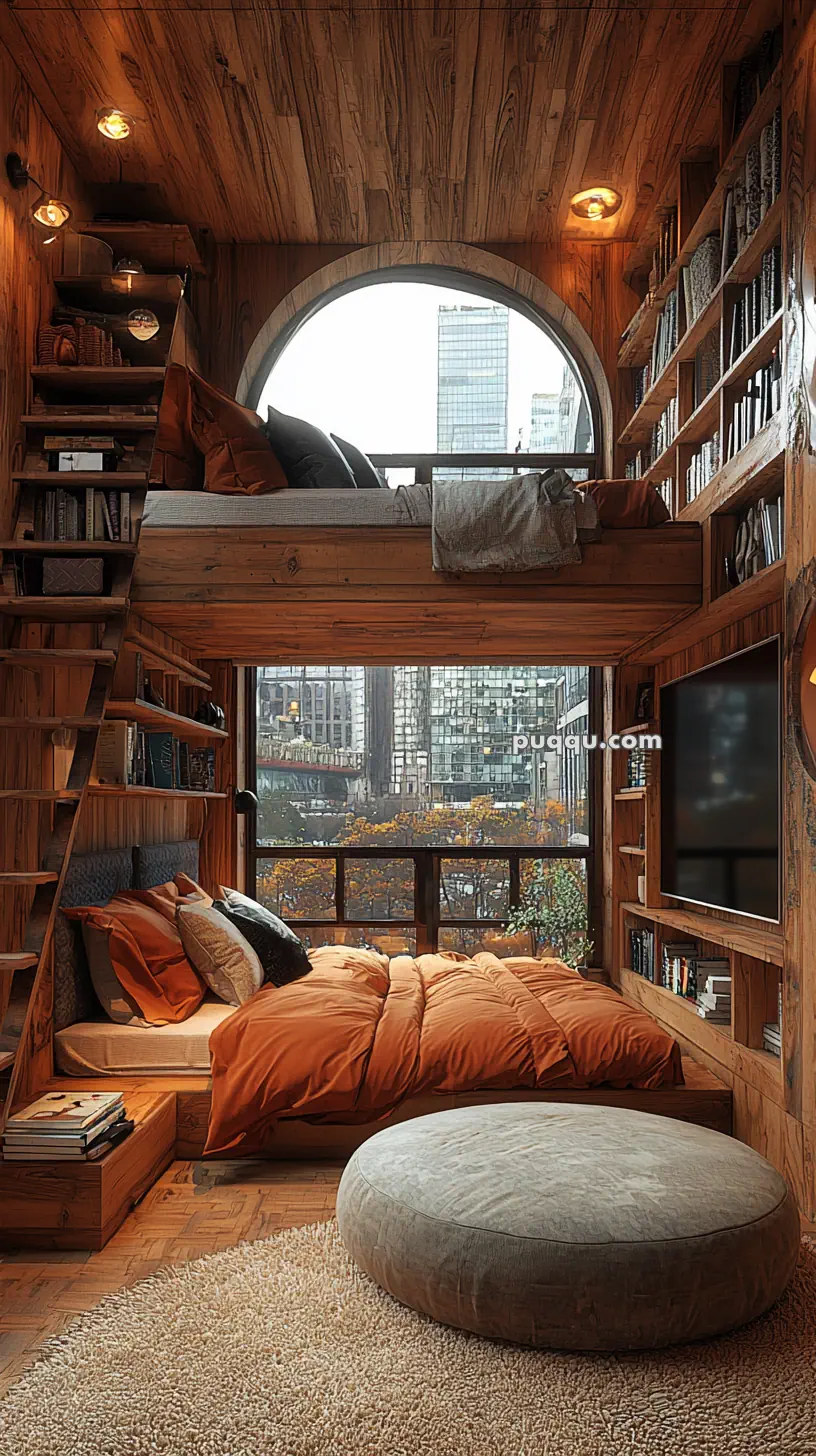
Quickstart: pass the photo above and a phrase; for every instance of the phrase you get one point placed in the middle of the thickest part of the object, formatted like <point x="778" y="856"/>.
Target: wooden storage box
<point x="81" y="1205"/>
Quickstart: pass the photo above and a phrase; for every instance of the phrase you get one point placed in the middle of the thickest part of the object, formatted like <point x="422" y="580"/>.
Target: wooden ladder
<point x="22" y="971"/>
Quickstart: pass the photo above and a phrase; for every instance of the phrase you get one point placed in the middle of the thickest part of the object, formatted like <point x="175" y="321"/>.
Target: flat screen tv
<point x="719" y="784"/>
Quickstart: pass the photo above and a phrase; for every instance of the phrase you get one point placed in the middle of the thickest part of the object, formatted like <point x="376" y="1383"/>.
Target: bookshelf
<point x="707" y="429"/>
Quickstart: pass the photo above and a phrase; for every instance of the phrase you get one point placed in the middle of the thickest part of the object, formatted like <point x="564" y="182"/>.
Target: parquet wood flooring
<point x="193" y="1209"/>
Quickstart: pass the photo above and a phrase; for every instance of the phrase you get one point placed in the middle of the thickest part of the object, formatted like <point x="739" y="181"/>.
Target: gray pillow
<point x="310" y="459"/>
<point x="364" y="473"/>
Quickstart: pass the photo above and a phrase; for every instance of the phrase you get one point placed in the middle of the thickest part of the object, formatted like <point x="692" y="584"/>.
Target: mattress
<point x="187" y="509"/>
<point x="102" y="1048"/>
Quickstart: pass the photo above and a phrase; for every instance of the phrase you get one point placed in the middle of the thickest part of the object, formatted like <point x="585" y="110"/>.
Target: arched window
<point x="429" y="365"/>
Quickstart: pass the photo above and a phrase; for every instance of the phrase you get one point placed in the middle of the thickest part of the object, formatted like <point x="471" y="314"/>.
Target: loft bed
<point x="302" y="573"/>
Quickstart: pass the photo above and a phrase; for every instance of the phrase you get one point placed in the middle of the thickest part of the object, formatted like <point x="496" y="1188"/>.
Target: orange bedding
<point x="359" y="1034"/>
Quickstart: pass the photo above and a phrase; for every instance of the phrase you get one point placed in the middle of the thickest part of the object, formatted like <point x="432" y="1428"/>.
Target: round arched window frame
<point x="517" y="289"/>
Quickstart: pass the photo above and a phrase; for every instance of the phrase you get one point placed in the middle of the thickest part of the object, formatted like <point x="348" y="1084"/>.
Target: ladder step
<point x="70" y="548"/>
<point x="63" y="609"/>
<point x="28" y="877"/>
<point x="17" y="960"/>
<point x="46" y="795"/>
<point x="50" y="723"/>
<point x="6" y="1061"/>
<point x="56" y="656"/>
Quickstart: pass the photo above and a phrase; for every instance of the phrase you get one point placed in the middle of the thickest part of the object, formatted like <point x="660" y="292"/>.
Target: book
<point x="95" y="1149"/>
<point x="160" y="760"/>
<point x="65" y="1140"/>
<point x="124" y="523"/>
<point x="112" y="761"/>
<point x="73" y="1110"/>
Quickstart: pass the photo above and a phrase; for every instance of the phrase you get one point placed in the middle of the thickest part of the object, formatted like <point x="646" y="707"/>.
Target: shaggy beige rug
<point x="282" y="1348"/>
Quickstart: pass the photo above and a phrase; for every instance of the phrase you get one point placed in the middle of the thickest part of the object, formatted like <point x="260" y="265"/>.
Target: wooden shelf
<point x="709" y="217"/>
<point x="70" y="548"/>
<point x="17" y="960"/>
<point x="760" y="590"/>
<point x="144" y="791"/>
<point x="742" y="269"/>
<point x="28" y="877"/>
<point x="99" y="292"/>
<point x="635" y="728"/>
<point x="746" y="475"/>
<point x="624" y="794"/>
<point x="56" y="656"/>
<point x="82" y="479"/>
<point x="163" y="660"/>
<point x="631" y="849"/>
<point x="55" y="796"/>
<point x="100" y="379"/>
<point x="150" y="716"/>
<point x="157" y="245"/>
<point x="49" y="724"/>
<point x="763" y="945"/>
<point x="105" y="424"/>
<point x="63" y="609"/>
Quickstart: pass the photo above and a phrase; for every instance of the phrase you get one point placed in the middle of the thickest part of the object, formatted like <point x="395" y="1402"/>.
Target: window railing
<point x="514" y="463"/>
<point x="432" y="886"/>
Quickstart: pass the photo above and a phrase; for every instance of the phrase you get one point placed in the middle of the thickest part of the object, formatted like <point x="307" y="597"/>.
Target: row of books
<point x="759" y="540"/>
<point x="82" y="514"/>
<point x="703" y="466"/>
<point x="706" y="366"/>
<point x="678" y="967"/>
<point x="755" y="189"/>
<point x="642" y="952"/>
<point x="753" y="74"/>
<point x="665" y="337"/>
<point x="664" y="430"/>
<point x="761" y="300"/>
<point x="666" y="250"/>
<point x="759" y="402"/>
<point x="638" y="768"/>
<point x="67" y="1127"/>
<point x="128" y="755"/>
<point x="665" y="489"/>
<point x="714" y="1000"/>
<point x="701" y="276"/>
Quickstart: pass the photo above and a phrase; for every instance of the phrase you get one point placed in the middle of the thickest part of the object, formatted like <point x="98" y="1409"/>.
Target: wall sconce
<point x="47" y="211"/>
<point x="114" y="124"/>
<point x="596" y="203"/>
<point x="244" y="801"/>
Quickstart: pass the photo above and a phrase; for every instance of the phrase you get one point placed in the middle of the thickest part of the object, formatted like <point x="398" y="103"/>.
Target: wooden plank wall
<point x="246" y="283"/>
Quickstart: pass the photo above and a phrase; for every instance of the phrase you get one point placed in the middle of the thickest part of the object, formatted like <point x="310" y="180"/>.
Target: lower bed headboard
<point x="91" y="880"/>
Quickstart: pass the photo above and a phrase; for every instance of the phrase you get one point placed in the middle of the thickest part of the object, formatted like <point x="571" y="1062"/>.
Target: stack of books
<point x="638" y="769"/>
<point x="665" y="339"/>
<point x="642" y="946"/>
<point x="714" y="1002"/>
<point x="679" y="967"/>
<point x="701" y="276"/>
<point x="759" y="302"/>
<point x="703" y="466"/>
<point x="762" y="398"/>
<point x="772" y="1038"/>
<point x="66" y="1127"/>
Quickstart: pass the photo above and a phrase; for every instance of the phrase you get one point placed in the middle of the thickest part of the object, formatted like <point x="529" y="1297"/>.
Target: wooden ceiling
<point x="352" y="122"/>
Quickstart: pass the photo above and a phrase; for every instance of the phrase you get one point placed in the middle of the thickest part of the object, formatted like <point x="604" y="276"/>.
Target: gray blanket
<point x="518" y="524"/>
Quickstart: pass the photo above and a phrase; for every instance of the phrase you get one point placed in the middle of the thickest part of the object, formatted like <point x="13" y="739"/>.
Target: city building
<point x="472" y="379"/>
<point x="572" y="720"/>
<point x="545" y="422"/>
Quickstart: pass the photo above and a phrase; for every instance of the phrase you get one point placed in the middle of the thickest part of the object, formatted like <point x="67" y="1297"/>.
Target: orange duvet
<point x="360" y="1034"/>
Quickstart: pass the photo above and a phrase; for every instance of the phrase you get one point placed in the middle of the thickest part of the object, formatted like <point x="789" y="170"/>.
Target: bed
<point x="363" y="1070"/>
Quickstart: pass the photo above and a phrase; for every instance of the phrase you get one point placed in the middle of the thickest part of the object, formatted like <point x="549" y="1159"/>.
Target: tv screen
<point x="719" y="780"/>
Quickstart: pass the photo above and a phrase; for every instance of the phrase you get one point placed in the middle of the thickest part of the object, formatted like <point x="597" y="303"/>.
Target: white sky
<point x="364" y="367"/>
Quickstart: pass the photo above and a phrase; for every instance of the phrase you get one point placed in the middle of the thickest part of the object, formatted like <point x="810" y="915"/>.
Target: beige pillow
<point x="110" y="992"/>
<point x="219" y="953"/>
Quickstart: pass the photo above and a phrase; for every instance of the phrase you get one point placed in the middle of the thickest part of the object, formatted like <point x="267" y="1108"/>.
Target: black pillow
<point x="311" y="461"/>
<point x="363" y="471"/>
<point x="278" y="949"/>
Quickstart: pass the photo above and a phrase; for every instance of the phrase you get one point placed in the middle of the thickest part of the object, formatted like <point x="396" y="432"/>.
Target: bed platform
<point x="287" y="576"/>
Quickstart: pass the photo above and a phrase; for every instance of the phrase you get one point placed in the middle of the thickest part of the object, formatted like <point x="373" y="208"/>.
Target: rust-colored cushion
<point x="177" y="463"/>
<point x="238" y="458"/>
<point x="624" y="505"/>
<point x="146" y="955"/>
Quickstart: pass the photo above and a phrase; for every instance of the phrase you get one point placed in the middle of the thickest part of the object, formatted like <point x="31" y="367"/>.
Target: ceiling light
<point x="114" y="124"/>
<point x="596" y="203"/>
<point x="143" y="324"/>
<point x="128" y="267"/>
<point x="48" y="211"/>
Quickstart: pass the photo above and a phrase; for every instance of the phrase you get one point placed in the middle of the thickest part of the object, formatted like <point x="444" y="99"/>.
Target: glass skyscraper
<point x="471" y="402"/>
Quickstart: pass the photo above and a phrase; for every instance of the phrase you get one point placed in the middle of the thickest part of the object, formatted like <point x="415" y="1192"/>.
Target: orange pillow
<point x="626" y="504"/>
<point x="238" y="458"/>
<point x="165" y="899"/>
<point x="176" y="462"/>
<point x="146" y="955"/>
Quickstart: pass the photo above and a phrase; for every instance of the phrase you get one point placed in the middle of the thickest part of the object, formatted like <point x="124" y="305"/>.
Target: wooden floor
<point x="194" y="1209"/>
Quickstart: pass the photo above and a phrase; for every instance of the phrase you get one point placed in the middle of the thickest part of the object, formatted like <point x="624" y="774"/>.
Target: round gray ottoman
<point x="573" y="1227"/>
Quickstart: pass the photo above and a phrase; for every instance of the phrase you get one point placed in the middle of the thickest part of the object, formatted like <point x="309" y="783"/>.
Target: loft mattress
<point x="187" y="509"/>
<point x="104" y="1048"/>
